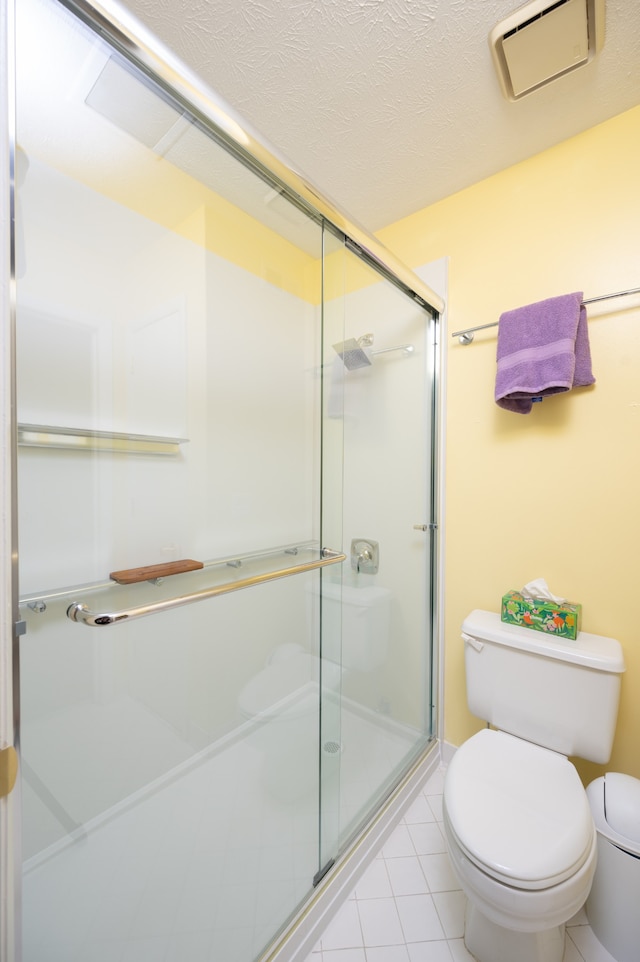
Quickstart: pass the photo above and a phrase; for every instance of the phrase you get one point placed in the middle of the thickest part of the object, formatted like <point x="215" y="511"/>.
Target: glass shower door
<point x="378" y="438"/>
<point x="169" y="385"/>
<point x="217" y="397"/>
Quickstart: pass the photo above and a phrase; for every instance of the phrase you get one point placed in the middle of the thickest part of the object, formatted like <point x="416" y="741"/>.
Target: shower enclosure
<point x="220" y="410"/>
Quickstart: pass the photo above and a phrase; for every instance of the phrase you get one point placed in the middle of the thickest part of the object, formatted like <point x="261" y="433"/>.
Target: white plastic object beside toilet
<point x="517" y="820"/>
<point x="614" y="900"/>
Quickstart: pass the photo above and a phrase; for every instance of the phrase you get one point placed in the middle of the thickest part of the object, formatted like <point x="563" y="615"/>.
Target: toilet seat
<point x="517" y="811"/>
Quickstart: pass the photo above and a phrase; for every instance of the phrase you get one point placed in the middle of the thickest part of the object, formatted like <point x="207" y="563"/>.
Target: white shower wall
<point x="155" y="336"/>
<point x="172" y="340"/>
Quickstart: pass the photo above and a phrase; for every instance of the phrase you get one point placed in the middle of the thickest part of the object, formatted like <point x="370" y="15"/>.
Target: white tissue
<point x="539" y="589"/>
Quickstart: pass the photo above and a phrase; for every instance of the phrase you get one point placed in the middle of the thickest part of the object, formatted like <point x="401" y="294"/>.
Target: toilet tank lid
<point x="592" y="651"/>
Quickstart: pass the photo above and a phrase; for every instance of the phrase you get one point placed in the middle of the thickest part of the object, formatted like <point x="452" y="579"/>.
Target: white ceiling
<point x="389" y="105"/>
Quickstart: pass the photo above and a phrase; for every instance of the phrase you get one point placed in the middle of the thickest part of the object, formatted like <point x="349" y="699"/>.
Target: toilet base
<point x="489" y="942"/>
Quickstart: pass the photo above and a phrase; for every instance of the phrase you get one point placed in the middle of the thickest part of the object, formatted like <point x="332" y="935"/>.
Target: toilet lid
<point x="517" y="810"/>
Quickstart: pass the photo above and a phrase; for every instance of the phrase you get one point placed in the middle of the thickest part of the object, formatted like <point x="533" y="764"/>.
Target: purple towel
<point x="543" y="349"/>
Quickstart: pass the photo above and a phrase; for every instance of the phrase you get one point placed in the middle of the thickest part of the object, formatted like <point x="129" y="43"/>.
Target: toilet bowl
<point x="517" y="821"/>
<point x="519" y="831"/>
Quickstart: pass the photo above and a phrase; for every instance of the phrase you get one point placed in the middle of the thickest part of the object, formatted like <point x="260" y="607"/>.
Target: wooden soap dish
<point x="131" y="576"/>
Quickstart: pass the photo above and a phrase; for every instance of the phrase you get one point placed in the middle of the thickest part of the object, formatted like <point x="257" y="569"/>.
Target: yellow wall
<point x="554" y="494"/>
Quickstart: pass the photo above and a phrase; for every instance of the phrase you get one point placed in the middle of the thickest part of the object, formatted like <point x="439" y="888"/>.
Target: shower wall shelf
<point x="218" y="577"/>
<point x="85" y="439"/>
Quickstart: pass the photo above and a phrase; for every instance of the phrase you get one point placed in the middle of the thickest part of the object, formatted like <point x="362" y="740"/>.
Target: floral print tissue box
<point x="563" y="620"/>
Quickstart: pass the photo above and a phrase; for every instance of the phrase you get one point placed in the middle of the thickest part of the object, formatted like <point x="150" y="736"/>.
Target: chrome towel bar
<point x="81" y="613"/>
<point x="465" y="336"/>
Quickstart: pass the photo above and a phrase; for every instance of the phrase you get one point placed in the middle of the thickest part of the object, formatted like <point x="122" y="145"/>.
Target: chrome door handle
<point x="80" y="613"/>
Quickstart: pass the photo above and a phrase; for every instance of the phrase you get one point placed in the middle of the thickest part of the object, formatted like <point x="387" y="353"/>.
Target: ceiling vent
<point x="544" y="40"/>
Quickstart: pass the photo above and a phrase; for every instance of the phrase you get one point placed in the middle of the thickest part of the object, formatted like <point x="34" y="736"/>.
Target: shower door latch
<point x="8" y="770"/>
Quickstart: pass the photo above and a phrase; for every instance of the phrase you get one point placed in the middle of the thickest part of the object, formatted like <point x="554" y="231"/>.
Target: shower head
<point x="352" y="354"/>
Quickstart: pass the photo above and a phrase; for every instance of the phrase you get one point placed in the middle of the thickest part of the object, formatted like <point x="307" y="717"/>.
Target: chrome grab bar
<point x="80" y="613"/>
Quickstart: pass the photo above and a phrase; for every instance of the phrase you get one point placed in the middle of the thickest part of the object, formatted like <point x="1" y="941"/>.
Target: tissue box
<point x="563" y="620"/>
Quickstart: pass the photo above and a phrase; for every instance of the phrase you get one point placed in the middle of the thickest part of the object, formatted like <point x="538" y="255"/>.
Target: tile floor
<point x="408" y="908"/>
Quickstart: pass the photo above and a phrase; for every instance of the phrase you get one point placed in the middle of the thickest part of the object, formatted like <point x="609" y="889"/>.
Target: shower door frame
<point x="9" y="610"/>
<point x="130" y="38"/>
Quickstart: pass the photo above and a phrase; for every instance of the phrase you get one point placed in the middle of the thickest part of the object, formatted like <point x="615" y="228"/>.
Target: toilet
<point x="281" y="700"/>
<point x="517" y="821"/>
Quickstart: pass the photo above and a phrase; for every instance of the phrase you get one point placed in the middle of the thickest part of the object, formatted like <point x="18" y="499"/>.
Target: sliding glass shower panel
<point x="330" y="601"/>
<point x="169" y="379"/>
<point x="379" y="422"/>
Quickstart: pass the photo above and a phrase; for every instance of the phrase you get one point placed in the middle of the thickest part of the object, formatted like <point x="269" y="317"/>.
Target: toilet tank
<point x="554" y="692"/>
<point x="360" y="616"/>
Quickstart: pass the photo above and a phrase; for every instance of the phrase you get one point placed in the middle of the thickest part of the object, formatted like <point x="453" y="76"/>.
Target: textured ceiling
<point x="389" y="105"/>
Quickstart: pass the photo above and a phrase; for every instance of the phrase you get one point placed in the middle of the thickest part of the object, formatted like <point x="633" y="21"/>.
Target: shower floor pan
<point x="208" y="866"/>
